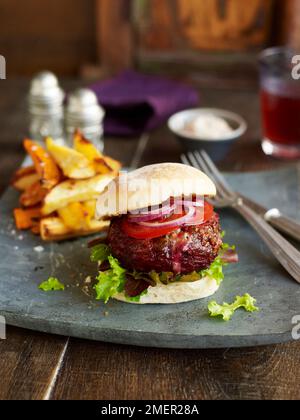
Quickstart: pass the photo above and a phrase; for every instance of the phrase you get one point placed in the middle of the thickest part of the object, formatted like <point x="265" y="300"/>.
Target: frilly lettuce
<point x="52" y="284"/>
<point x="215" y="271"/>
<point x="111" y="281"/>
<point x="227" y="310"/>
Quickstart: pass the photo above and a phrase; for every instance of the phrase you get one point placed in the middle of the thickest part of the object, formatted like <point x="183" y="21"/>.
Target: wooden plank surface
<point x="29" y="364"/>
<point x="103" y="371"/>
<point x="37" y="366"/>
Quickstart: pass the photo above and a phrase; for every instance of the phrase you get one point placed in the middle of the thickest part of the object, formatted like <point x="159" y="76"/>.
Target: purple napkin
<point x="136" y="103"/>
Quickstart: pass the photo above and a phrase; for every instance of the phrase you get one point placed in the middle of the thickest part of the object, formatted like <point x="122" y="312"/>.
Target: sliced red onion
<point x="196" y="221"/>
<point x="172" y="223"/>
<point x="153" y="214"/>
<point x="192" y="221"/>
<point x="149" y="218"/>
<point x="188" y="203"/>
<point x="230" y="256"/>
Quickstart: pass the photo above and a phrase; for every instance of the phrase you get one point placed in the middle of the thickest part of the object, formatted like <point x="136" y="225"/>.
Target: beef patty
<point x="188" y="249"/>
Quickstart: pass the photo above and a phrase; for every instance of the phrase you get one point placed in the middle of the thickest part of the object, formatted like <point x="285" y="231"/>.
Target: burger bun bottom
<point x="175" y="292"/>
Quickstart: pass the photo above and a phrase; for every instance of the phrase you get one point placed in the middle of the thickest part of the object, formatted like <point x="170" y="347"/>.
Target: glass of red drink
<point x="280" y="102"/>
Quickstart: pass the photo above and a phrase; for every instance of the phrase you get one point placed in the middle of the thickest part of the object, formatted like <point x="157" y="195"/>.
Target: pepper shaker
<point x="46" y="107"/>
<point x="84" y="113"/>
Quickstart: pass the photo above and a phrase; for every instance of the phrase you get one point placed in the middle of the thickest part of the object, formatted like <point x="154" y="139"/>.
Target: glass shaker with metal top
<point x="84" y="113"/>
<point x="46" y="107"/>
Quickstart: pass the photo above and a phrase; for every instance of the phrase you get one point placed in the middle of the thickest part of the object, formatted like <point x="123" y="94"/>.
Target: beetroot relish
<point x="135" y="287"/>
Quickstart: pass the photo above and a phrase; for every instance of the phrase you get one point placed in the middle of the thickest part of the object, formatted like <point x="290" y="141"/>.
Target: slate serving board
<point x="74" y="312"/>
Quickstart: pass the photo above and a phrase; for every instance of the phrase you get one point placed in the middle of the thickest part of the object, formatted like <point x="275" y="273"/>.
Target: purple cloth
<point x="137" y="103"/>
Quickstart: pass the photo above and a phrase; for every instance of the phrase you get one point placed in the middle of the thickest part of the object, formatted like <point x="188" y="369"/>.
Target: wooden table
<point x="44" y="366"/>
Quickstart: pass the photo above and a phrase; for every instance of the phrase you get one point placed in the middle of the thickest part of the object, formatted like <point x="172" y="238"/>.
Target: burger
<point x="164" y="244"/>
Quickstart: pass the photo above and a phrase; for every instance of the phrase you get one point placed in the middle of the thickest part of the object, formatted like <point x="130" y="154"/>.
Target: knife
<point x="275" y="218"/>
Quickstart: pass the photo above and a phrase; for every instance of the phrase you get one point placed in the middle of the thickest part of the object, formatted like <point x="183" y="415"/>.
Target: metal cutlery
<point x="275" y="218"/>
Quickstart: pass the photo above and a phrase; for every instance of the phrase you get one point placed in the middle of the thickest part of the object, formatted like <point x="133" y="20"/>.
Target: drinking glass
<point x="280" y="103"/>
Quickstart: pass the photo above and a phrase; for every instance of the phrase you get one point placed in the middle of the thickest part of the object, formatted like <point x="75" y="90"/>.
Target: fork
<point x="283" y="251"/>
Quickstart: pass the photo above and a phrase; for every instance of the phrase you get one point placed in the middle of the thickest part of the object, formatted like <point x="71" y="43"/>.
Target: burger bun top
<point x="150" y="186"/>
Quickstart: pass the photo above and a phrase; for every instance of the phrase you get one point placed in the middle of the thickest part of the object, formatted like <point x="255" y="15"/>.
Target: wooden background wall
<point x="207" y="25"/>
<point x="47" y="34"/>
<point x="68" y="35"/>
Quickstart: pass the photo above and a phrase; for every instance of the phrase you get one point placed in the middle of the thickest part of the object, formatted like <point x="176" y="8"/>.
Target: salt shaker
<point x="84" y="113"/>
<point x="46" y="107"/>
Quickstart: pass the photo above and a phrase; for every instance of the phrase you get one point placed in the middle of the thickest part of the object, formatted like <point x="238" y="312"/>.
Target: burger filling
<point x="181" y="241"/>
<point x="182" y="251"/>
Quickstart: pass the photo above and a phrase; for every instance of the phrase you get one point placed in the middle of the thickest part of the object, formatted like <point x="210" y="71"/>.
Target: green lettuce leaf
<point x="51" y="284"/>
<point x="215" y="271"/>
<point x="227" y="310"/>
<point x="100" y="253"/>
<point x="111" y="281"/>
<point x="226" y="247"/>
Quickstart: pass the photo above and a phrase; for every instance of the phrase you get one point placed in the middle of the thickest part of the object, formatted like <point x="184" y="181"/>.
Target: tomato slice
<point x="137" y="231"/>
<point x="208" y="211"/>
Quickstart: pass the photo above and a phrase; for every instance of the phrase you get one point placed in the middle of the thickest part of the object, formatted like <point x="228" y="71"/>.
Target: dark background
<point x="87" y="37"/>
